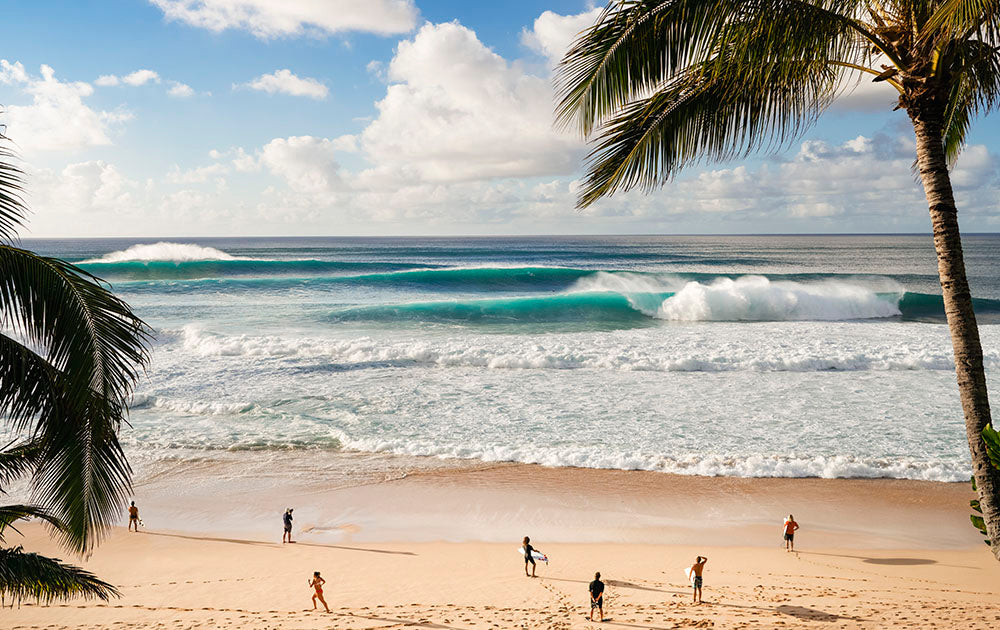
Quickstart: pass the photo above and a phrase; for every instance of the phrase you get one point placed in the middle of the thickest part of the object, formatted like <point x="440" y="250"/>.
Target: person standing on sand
<point x="596" y="589"/>
<point x="317" y="583"/>
<point x="696" y="580"/>
<point x="287" y="536"/>
<point x="133" y="517"/>
<point x="528" y="557"/>
<point x="789" y="528"/>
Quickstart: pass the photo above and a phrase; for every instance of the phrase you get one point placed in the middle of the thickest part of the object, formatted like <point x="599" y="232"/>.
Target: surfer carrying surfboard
<point x="529" y="556"/>
<point x="695" y="574"/>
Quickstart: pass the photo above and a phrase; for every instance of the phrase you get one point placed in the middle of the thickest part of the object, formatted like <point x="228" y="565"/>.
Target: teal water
<point x="751" y="356"/>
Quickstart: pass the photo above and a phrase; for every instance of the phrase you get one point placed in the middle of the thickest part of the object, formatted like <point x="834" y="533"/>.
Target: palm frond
<point x="958" y="19"/>
<point x="637" y="46"/>
<point x="10" y="514"/>
<point x="975" y="91"/>
<point x="99" y="347"/>
<point x="12" y="207"/>
<point x="17" y="459"/>
<point x="32" y="576"/>
<point x="631" y="48"/>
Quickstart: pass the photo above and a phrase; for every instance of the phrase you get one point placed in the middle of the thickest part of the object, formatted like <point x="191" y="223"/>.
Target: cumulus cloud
<point x="81" y="188"/>
<point x="180" y="90"/>
<point x="107" y="80"/>
<point x="268" y="19"/>
<point x="135" y="79"/>
<point x="552" y="34"/>
<point x="198" y="175"/>
<point x="286" y="82"/>
<point x="306" y="163"/>
<point x="455" y="110"/>
<point x="57" y="119"/>
<point x="141" y="77"/>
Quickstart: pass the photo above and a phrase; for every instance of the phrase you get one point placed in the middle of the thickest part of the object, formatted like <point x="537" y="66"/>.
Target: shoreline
<point x="462" y="501"/>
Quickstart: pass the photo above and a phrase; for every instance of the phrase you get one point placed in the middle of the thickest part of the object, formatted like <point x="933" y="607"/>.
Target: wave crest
<point x="756" y="298"/>
<point x="163" y="251"/>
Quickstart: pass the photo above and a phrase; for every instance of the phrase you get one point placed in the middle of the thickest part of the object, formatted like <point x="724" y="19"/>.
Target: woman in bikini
<point x="317" y="583"/>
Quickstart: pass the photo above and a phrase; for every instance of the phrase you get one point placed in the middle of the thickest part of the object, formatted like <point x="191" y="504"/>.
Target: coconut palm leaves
<point x="70" y="353"/>
<point x="762" y="70"/>
<point x="31" y="576"/>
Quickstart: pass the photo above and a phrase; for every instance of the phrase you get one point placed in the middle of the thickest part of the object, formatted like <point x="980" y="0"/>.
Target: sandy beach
<point x="872" y="554"/>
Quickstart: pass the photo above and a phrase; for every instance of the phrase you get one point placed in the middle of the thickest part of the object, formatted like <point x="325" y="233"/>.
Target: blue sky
<point x="167" y="118"/>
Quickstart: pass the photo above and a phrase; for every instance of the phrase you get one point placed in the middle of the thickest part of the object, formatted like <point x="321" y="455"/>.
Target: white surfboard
<point x="689" y="572"/>
<point x="541" y="557"/>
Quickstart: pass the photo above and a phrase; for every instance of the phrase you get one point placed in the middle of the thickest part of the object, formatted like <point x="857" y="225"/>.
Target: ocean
<point x="755" y="356"/>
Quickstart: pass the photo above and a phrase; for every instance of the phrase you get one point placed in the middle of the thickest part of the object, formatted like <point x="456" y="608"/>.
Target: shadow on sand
<point x="900" y="562"/>
<point x="801" y="612"/>
<point x="260" y="543"/>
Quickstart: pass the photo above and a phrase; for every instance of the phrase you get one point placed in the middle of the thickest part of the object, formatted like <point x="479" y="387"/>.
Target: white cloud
<point x="135" y="79"/>
<point x="455" y="110"/>
<point x="285" y="82"/>
<point x="107" y="80"/>
<point x="268" y="18"/>
<point x="196" y="175"/>
<point x="57" y="118"/>
<point x="141" y="77"/>
<point x="81" y="188"/>
<point x="306" y="163"/>
<point x="180" y="90"/>
<point x="552" y="34"/>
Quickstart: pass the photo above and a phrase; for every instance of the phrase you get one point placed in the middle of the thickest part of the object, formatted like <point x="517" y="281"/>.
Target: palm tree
<point x="70" y="354"/>
<point x="657" y="85"/>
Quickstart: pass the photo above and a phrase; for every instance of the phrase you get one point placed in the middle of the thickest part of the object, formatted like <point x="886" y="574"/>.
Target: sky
<point x="172" y="118"/>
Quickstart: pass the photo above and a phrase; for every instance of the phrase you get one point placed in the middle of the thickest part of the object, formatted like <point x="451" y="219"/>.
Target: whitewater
<point x="745" y="356"/>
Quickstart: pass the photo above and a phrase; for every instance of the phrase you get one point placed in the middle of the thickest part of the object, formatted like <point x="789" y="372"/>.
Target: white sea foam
<point x="741" y="465"/>
<point x="756" y="298"/>
<point x="148" y="401"/>
<point x="826" y="399"/>
<point x="730" y="347"/>
<point x="748" y="298"/>
<point x="164" y="252"/>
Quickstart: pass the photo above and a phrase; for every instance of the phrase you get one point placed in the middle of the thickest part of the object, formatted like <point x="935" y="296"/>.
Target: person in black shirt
<point x="528" y="551"/>
<point x="287" y="536"/>
<point x="597" y="596"/>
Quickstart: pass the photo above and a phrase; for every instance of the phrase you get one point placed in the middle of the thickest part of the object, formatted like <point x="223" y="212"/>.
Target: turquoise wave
<point x="605" y="307"/>
<point x="213" y="269"/>
<point x="925" y="307"/>
<point x="570" y="307"/>
<point x="276" y="275"/>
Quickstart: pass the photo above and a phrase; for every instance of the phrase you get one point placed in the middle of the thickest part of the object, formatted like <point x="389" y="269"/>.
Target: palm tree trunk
<point x="958" y="308"/>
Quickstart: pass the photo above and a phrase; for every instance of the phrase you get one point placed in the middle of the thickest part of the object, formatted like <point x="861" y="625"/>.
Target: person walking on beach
<point x="789" y="528"/>
<point x="529" y="556"/>
<point x="596" y="589"/>
<point x="287" y="536"/>
<point x="317" y="583"/>
<point x="133" y="517"/>
<point x="696" y="580"/>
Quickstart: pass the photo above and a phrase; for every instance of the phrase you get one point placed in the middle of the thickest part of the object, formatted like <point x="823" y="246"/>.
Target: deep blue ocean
<point x="750" y="356"/>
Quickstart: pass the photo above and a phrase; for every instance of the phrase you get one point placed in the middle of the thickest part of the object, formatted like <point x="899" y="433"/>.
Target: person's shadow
<point x="811" y="614"/>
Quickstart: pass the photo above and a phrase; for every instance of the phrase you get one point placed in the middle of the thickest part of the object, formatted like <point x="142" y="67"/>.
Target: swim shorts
<point x="696" y="582"/>
<point x="597" y="603"/>
<point x="789" y="537"/>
